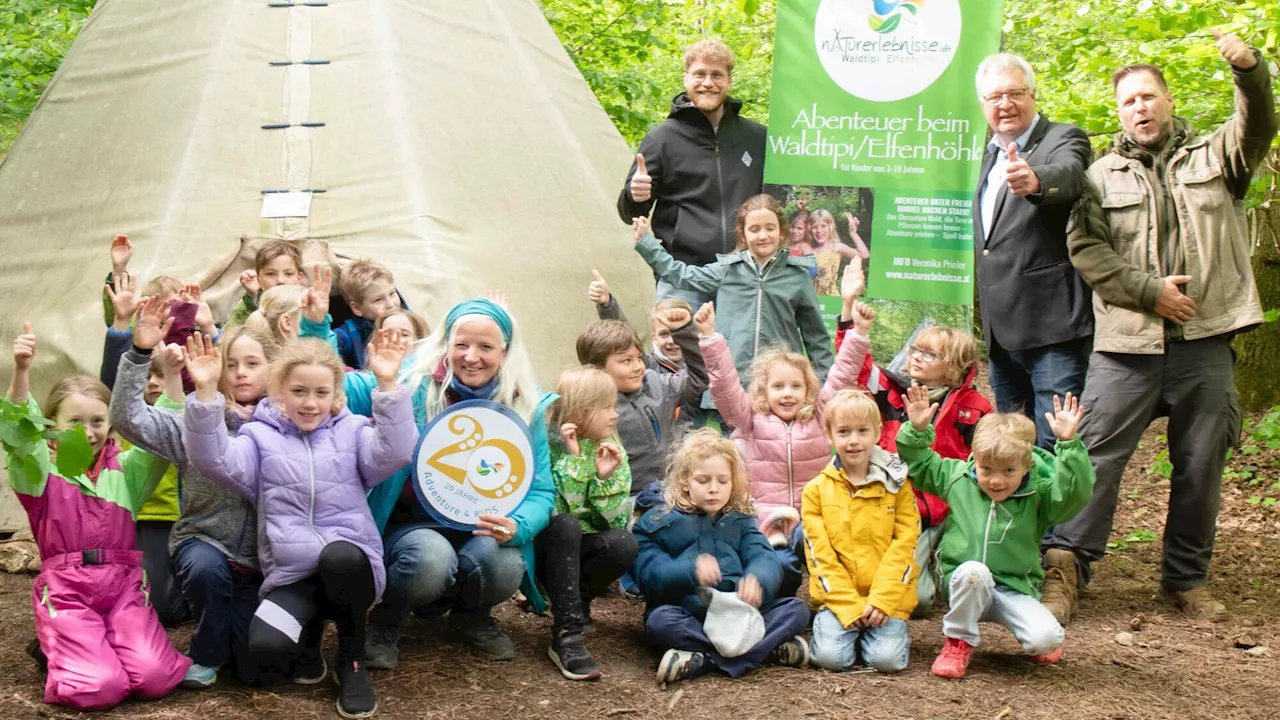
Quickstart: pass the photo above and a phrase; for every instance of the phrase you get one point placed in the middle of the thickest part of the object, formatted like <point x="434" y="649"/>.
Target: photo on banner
<point x="876" y="130"/>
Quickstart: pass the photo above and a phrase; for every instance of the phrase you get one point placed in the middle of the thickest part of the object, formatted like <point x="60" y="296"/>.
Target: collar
<point x="1181" y="135"/>
<point x="1021" y="140"/>
<point x="884" y="468"/>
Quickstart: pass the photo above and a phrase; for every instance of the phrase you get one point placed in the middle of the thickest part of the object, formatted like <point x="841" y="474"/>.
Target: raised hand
<point x="315" y="302"/>
<point x="853" y="221"/>
<point x="204" y="365"/>
<point x="598" y="290"/>
<point x="919" y="409"/>
<point x="1172" y="304"/>
<point x="803" y="203"/>
<point x="569" y="436"/>
<point x="750" y="592"/>
<point x="386" y="352"/>
<point x="863" y="317"/>
<point x="705" y="320"/>
<point x="24" y="348"/>
<point x="171" y="359"/>
<point x="249" y="281"/>
<point x="122" y="291"/>
<point x="1065" y="418"/>
<point x="193" y="293"/>
<point x="852" y="282"/>
<point x="1235" y="51"/>
<point x="641" y="184"/>
<point x="608" y="458"/>
<point x="121" y="254"/>
<point x="639" y="228"/>
<point x="1022" y="179"/>
<point x="499" y="298"/>
<point x="673" y="318"/>
<point x="153" y="323"/>
<point x="706" y="570"/>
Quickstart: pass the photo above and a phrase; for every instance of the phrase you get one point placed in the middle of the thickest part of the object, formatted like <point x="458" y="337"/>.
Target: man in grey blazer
<point x="1036" y="314"/>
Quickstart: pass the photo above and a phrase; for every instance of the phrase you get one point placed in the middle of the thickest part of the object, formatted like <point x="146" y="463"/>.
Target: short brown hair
<point x="709" y="49"/>
<point x="603" y="338"/>
<point x="359" y="275"/>
<point x="275" y="249"/>
<point x="763" y="201"/>
<point x="1136" y="68"/>
<point x="853" y="402"/>
<point x="75" y="385"/>
<point x="1004" y="436"/>
<point x="307" y="351"/>
<point x="162" y="285"/>
<point x="955" y="348"/>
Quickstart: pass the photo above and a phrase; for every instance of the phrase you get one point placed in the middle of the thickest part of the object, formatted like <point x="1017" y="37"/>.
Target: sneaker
<point x="682" y="665"/>
<point x="1050" y="658"/>
<point x="1059" y="591"/>
<point x="631" y="593"/>
<point x="779" y="526"/>
<point x="310" y="667"/>
<point x="382" y="647"/>
<point x="481" y="633"/>
<point x="199" y="677"/>
<point x="1195" y="603"/>
<point x="355" y="690"/>
<point x="953" y="660"/>
<point x="569" y="653"/>
<point x="792" y="653"/>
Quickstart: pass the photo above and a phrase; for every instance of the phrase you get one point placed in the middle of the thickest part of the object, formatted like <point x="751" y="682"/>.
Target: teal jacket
<point x="755" y="310"/>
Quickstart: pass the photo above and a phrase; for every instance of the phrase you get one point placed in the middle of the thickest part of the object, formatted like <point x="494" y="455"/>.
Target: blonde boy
<point x="370" y="291"/>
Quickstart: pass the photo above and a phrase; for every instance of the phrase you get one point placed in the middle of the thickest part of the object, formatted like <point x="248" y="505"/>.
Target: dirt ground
<point x="1173" y="669"/>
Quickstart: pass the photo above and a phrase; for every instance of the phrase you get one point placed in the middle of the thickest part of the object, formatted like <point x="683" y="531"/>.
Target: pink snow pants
<point x="96" y="625"/>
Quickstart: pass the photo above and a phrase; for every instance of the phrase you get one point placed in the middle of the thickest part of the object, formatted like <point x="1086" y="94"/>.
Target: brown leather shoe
<point x="1059" y="592"/>
<point x="1195" y="603"/>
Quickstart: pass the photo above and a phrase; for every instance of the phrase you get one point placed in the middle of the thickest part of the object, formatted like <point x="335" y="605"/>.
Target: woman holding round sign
<point x="458" y="523"/>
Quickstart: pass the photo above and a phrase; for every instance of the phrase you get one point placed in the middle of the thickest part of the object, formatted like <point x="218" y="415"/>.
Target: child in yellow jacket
<point x="860" y="530"/>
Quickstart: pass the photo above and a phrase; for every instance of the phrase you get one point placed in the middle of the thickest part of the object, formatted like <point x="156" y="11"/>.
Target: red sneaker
<point x="953" y="660"/>
<point x="1047" y="658"/>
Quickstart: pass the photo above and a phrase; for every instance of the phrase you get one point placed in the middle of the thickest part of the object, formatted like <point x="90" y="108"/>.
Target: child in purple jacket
<point x="306" y="462"/>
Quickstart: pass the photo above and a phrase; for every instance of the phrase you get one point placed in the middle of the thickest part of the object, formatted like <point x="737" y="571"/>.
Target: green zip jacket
<point x="1004" y="536"/>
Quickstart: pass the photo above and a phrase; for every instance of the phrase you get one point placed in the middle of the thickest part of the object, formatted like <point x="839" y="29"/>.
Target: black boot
<point x="356" y="698"/>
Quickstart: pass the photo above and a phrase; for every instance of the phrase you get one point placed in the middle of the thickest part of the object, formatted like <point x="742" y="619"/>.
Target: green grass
<point x="9" y="128"/>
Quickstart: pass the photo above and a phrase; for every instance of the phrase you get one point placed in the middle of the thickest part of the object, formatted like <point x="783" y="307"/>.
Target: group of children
<point x="881" y="487"/>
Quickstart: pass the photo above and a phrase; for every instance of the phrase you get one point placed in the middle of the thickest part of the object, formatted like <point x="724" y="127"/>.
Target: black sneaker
<point x="792" y="653"/>
<point x="481" y="633"/>
<point x="310" y="667"/>
<point x="682" y="665"/>
<point x="355" y="690"/>
<point x="569" y="653"/>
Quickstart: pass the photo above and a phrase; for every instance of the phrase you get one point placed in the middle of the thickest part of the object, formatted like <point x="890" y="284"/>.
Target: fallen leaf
<point x="1125" y="639"/>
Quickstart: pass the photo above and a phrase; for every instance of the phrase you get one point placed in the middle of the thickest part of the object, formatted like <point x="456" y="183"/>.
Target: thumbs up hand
<point x="24" y="348"/>
<point x="641" y="183"/>
<point x="1235" y="51"/>
<point x="598" y="290"/>
<point x="1021" y="178"/>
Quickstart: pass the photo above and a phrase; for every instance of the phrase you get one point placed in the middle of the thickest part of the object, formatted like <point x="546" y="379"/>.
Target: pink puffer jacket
<point x="780" y="457"/>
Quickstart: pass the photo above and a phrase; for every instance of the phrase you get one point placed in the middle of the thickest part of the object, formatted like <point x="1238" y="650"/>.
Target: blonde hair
<point x="583" y="391"/>
<point x="275" y="249"/>
<point x="696" y="447"/>
<point x="359" y="275"/>
<point x="763" y="365"/>
<point x="603" y="338"/>
<point x="162" y="285"/>
<point x="276" y="303"/>
<point x="86" y="385"/>
<point x="763" y="201"/>
<point x="307" y="351"/>
<point x="673" y="303"/>
<point x="419" y="324"/>
<point x="821" y="214"/>
<point x="853" y="403"/>
<point x="709" y="49"/>
<point x="227" y="340"/>
<point x="1004" y="436"/>
<point x="956" y="349"/>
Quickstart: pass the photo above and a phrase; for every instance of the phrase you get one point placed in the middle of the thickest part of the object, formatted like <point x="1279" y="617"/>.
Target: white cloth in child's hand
<point x="732" y="626"/>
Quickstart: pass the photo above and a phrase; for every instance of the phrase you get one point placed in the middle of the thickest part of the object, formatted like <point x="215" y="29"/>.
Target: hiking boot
<point x="1050" y="658"/>
<point x="569" y="652"/>
<point x="682" y="665"/>
<point x="481" y="633"/>
<point x="779" y="525"/>
<point x="355" y="690"/>
<point x="381" y="648"/>
<point x="199" y="677"/>
<point x="953" y="660"/>
<point x="792" y="653"/>
<point x="310" y="668"/>
<point x="1059" y="591"/>
<point x="1195" y="603"/>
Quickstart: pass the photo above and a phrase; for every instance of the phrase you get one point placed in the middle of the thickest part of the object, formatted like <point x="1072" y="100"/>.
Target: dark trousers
<point x="290" y="619"/>
<point x="1193" y="384"/>
<point x="1025" y="381"/>
<point x="791" y="557"/>
<point x="575" y="566"/>
<point x="673" y="627"/>
<point x="222" y="597"/>
<point x="166" y="596"/>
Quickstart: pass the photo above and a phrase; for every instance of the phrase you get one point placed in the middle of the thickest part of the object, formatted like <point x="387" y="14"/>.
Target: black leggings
<point x="575" y="566"/>
<point x="291" y="618"/>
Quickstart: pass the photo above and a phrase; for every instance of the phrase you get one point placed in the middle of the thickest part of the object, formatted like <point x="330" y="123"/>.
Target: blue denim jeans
<point x="666" y="290"/>
<point x="429" y="566"/>
<point x="1025" y="381"/>
<point x="834" y="647"/>
<point x="671" y="626"/>
<point x="223" y="600"/>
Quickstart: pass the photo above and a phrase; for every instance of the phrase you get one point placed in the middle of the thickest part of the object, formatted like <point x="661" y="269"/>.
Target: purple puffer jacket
<point x="309" y="488"/>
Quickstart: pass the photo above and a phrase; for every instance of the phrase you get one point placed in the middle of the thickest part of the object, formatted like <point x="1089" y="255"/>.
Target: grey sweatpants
<point x="1193" y="384"/>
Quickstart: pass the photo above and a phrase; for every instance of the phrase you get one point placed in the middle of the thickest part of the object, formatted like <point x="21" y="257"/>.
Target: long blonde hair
<point x="307" y="351"/>
<point x="696" y="447"/>
<point x="583" y="391"/>
<point x="275" y="304"/>
<point x="763" y="365"/>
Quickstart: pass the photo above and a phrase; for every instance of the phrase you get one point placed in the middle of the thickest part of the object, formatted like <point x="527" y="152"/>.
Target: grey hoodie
<point x="216" y="516"/>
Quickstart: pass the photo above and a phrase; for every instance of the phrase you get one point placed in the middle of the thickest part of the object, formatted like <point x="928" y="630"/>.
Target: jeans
<point x="166" y="596"/>
<point x="834" y="647"/>
<point x="223" y="599"/>
<point x="666" y="290"/>
<point x="673" y="627"/>
<point x="575" y="566"/>
<point x="427" y="566"/>
<point x="976" y="598"/>
<point x="926" y="588"/>
<point x="1025" y="381"/>
<point x="1193" y="384"/>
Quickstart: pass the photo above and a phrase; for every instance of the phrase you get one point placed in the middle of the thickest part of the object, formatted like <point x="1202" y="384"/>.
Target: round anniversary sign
<point x="475" y="458"/>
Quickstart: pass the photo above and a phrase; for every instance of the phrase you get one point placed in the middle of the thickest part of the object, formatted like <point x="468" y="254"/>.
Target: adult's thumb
<point x="1013" y="152"/>
<point x="596" y="274"/>
<point x="26" y="327"/>
<point x="640" y="168"/>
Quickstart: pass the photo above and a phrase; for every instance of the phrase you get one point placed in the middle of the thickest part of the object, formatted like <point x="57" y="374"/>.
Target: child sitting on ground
<point x="277" y="263"/>
<point x="705" y="536"/>
<point x="370" y="291"/>
<point x="1002" y="500"/>
<point x="860" y="529"/>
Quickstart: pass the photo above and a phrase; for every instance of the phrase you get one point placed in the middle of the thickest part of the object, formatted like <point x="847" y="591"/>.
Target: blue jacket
<point x="352" y="337"/>
<point x="670" y="540"/>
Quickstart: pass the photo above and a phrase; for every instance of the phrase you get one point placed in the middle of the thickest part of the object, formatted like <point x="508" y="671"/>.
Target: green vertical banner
<point x="876" y="136"/>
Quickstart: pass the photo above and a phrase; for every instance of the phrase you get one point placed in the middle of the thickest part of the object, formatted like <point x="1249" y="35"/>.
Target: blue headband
<point x="480" y="306"/>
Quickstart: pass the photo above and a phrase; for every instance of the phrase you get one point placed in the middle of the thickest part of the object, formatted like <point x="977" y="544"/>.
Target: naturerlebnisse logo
<point x="888" y="14"/>
<point x="885" y="50"/>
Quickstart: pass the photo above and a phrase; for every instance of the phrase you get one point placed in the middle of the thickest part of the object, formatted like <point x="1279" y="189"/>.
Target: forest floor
<point x="1172" y="669"/>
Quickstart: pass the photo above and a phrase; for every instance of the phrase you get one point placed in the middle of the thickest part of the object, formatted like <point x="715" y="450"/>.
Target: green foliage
<point x="75" y="454"/>
<point x="22" y="428"/>
<point x="1161" y="466"/>
<point x="34" y="35"/>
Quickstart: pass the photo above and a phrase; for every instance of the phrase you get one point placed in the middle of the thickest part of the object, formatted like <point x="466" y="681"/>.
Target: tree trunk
<point x="1258" y="360"/>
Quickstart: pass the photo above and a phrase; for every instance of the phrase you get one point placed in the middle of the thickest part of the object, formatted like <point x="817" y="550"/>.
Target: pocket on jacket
<point x="1126" y="215"/>
<point x="1203" y="189"/>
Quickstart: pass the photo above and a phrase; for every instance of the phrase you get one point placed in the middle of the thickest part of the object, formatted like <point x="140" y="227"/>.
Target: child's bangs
<point x="851" y="407"/>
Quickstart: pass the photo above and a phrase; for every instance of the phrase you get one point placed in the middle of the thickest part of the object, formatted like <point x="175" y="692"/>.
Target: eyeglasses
<point x="1015" y="96"/>
<point x="717" y="77"/>
<point x="927" y="356"/>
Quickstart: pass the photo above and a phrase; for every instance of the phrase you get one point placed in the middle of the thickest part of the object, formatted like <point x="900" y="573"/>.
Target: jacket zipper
<point x="311" y="472"/>
<point x="759" y="303"/>
<point x="724" y="228"/>
<point x="791" y="488"/>
<point x="986" y="535"/>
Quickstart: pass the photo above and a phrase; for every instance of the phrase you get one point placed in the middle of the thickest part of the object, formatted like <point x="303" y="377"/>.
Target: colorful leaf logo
<point x="888" y="13"/>
<point x="486" y="469"/>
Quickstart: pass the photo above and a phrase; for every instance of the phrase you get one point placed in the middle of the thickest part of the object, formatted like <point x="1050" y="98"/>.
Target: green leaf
<point x="75" y="454"/>
<point x="890" y="24"/>
<point x="1141" y="536"/>
<point x="1271" y="315"/>
<point x="1254" y="500"/>
<point x="1268" y="502"/>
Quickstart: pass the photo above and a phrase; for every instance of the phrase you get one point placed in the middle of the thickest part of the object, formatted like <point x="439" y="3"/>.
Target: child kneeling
<point x="705" y="537"/>
<point x="1002" y="500"/>
<point x="860" y="527"/>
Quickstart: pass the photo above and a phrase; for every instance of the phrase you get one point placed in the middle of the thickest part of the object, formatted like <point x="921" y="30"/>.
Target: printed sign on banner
<point x="475" y="458"/>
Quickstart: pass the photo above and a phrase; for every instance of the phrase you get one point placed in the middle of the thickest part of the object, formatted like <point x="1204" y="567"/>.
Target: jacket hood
<point x="1126" y="146"/>
<point x="1042" y="468"/>
<point x="269" y="411"/>
<point x="681" y="106"/>
<point x="885" y="468"/>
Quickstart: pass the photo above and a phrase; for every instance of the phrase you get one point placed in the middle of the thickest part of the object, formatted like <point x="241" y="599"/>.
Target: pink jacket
<point x="780" y="457"/>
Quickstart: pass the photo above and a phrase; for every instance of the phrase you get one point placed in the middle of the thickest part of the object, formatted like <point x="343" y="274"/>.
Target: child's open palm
<point x="153" y="323"/>
<point x="608" y="458"/>
<point x="386" y="352"/>
<point x="204" y="364"/>
<point x="705" y="320"/>
<point x="121" y="253"/>
<point x="852" y="282"/>
<point x="919" y="409"/>
<point x="315" y="303"/>
<point x="123" y="293"/>
<point x="1065" y="418"/>
<point x="24" y="348"/>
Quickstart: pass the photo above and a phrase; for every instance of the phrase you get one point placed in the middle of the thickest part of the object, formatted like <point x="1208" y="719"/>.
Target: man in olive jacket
<point x="1160" y="238"/>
